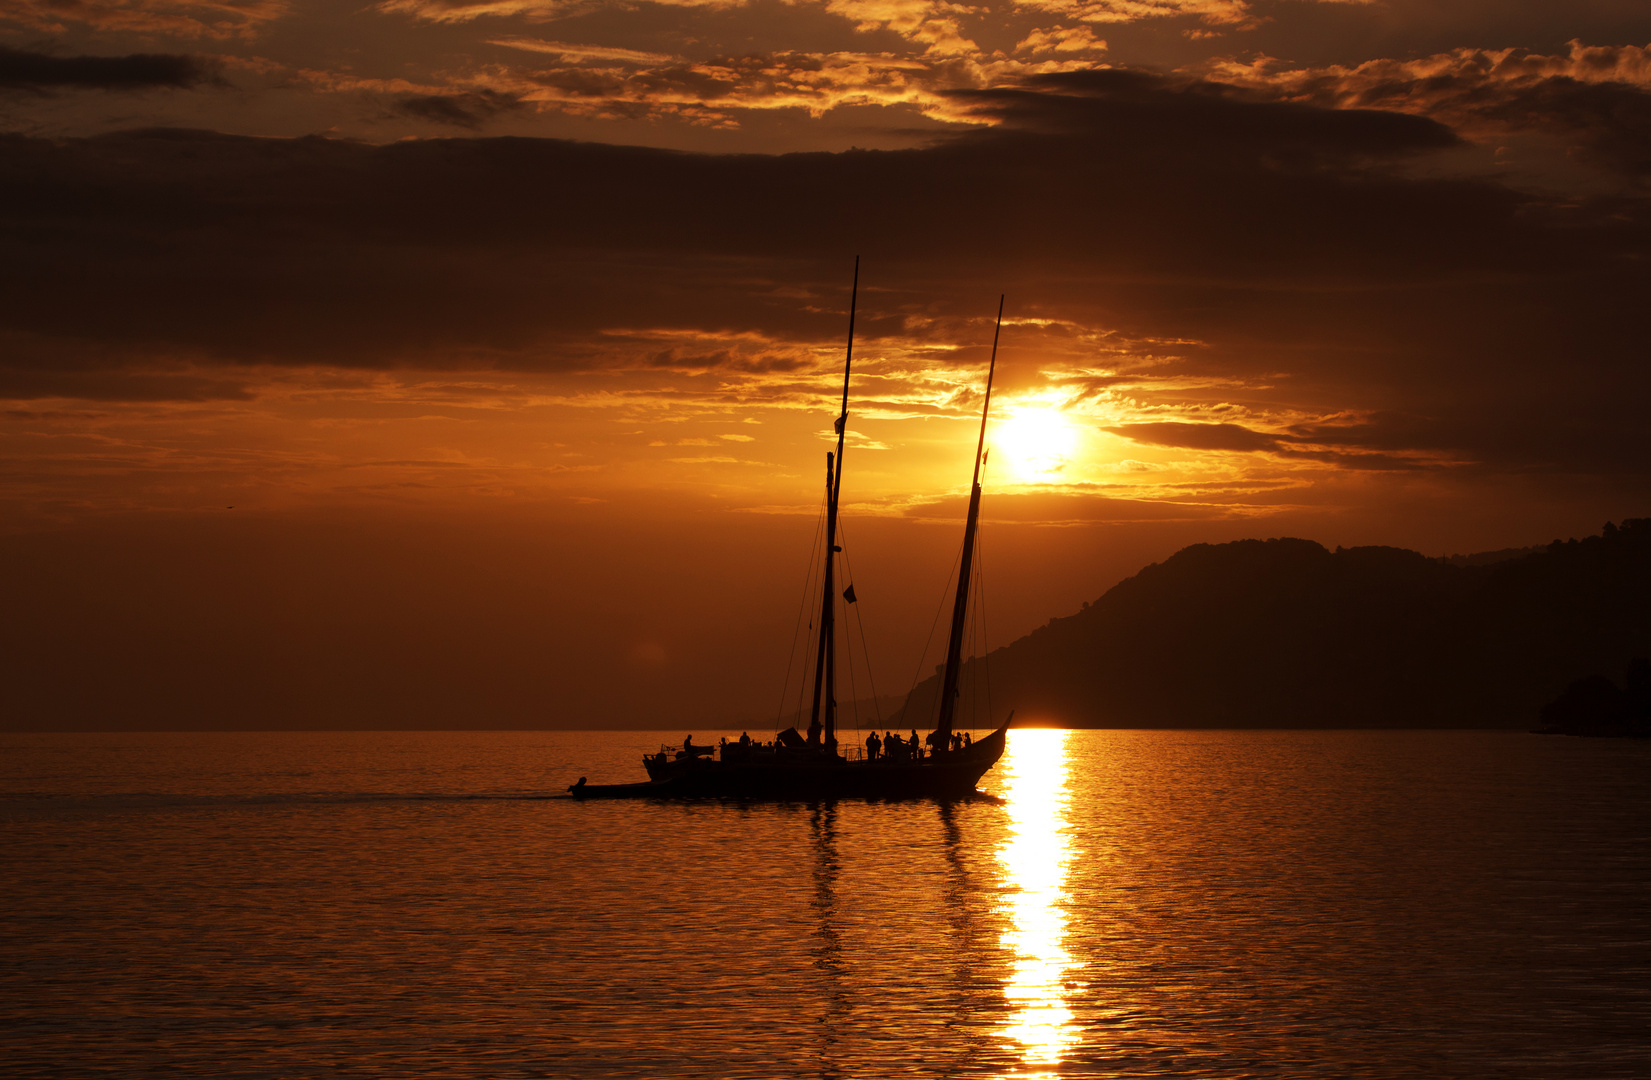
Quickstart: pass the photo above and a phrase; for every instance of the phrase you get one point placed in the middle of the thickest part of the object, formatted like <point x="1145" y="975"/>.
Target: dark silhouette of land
<point x="1284" y="633"/>
<point x="1599" y="707"/>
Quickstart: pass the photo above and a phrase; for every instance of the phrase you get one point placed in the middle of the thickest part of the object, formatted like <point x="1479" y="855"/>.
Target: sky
<point x="472" y="363"/>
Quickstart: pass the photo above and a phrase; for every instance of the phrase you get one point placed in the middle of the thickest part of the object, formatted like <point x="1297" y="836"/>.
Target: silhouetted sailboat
<point x="798" y="766"/>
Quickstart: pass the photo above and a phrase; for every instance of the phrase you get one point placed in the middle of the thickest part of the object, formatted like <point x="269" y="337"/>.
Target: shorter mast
<point x="822" y="725"/>
<point x="941" y="738"/>
<point x="824" y="673"/>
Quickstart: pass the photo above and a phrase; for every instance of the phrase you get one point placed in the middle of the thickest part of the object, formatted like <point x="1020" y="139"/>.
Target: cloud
<point x="1597" y="98"/>
<point x="1182" y="113"/>
<point x="1424" y="81"/>
<point x="188" y="19"/>
<point x="716" y="91"/>
<point x="1188" y="259"/>
<point x="933" y="24"/>
<point x="457" y="110"/>
<point x="463" y="11"/>
<point x="580" y="53"/>
<point x="27" y="385"/>
<point x="1329" y="445"/>
<point x="1060" y="39"/>
<point x="1227" y="13"/>
<point x="1198" y="436"/>
<point x="21" y="70"/>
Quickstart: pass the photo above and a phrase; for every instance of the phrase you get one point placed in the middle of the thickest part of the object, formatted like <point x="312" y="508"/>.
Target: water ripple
<point x="1138" y="904"/>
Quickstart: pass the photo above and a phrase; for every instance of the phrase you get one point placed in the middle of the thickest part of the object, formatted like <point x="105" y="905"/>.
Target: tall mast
<point x="822" y="724"/>
<point x="960" y="607"/>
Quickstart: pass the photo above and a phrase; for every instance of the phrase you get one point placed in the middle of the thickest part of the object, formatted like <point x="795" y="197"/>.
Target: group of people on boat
<point x="891" y="747"/>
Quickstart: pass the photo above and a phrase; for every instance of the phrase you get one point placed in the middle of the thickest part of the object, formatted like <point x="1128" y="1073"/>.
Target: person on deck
<point x="745" y="738"/>
<point x="916" y="746"/>
<point x="873" y="746"/>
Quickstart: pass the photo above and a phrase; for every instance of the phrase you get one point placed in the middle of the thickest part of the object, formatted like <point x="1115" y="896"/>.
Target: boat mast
<point x="960" y="608"/>
<point x="822" y="724"/>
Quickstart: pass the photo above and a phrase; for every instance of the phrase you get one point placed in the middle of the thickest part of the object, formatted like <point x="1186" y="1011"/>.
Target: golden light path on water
<point x="1035" y="859"/>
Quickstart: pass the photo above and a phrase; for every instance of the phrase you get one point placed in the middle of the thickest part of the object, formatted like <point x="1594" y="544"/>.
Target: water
<point x="1136" y="904"/>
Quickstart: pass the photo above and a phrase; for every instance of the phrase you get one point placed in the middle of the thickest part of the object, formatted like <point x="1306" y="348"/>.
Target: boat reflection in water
<point x="1035" y="860"/>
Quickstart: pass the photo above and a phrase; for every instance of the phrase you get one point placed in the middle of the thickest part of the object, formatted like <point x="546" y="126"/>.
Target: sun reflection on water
<point x="1035" y="859"/>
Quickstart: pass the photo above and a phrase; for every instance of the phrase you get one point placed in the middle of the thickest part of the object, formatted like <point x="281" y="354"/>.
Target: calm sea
<point x="1132" y="904"/>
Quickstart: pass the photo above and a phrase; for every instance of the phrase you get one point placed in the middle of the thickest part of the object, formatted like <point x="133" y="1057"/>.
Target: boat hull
<point x="810" y="777"/>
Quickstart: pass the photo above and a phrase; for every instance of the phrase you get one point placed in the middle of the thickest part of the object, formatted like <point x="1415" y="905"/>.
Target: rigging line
<point x="860" y="621"/>
<point x="848" y="649"/>
<point x="922" y="657"/>
<point x="980" y="605"/>
<point x="796" y="633"/>
<point x="847" y="576"/>
<point x="809" y="589"/>
<point x="802" y="676"/>
<point x="865" y="650"/>
<point x="974" y="639"/>
<point x="848" y="655"/>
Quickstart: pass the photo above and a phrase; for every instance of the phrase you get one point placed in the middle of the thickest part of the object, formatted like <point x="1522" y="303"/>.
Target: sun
<point x="1035" y="442"/>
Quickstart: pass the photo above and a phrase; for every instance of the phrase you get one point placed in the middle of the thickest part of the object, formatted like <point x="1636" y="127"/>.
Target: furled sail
<point x="960" y="608"/>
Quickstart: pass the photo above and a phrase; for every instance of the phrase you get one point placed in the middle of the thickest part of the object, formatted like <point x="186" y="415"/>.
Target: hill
<point x="1284" y="633"/>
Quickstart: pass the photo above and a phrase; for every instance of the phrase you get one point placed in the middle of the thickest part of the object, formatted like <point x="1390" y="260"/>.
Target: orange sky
<point x="522" y="431"/>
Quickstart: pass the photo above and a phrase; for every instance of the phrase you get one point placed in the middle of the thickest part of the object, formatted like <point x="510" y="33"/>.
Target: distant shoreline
<point x="683" y="729"/>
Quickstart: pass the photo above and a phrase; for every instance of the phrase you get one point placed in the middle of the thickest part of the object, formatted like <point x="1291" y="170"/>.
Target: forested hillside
<point x="1284" y="633"/>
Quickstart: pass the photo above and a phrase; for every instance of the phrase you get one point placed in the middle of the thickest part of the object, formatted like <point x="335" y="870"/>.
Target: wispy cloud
<point x="1061" y="39"/>
<point x="578" y="53"/>
<point x="718" y="91"/>
<point x="187" y="19"/>
<point x="933" y="24"/>
<point x="1224" y="13"/>
<point x="465" y="110"/>
<point x="462" y="11"/>
<point x="1597" y="98"/>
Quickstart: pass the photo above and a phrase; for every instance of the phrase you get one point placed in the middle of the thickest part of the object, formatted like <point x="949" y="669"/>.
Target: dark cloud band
<point x="21" y="70"/>
<point x="1297" y="245"/>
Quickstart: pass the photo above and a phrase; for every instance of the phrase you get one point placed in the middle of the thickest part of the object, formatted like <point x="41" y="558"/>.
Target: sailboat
<point x="798" y="766"/>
